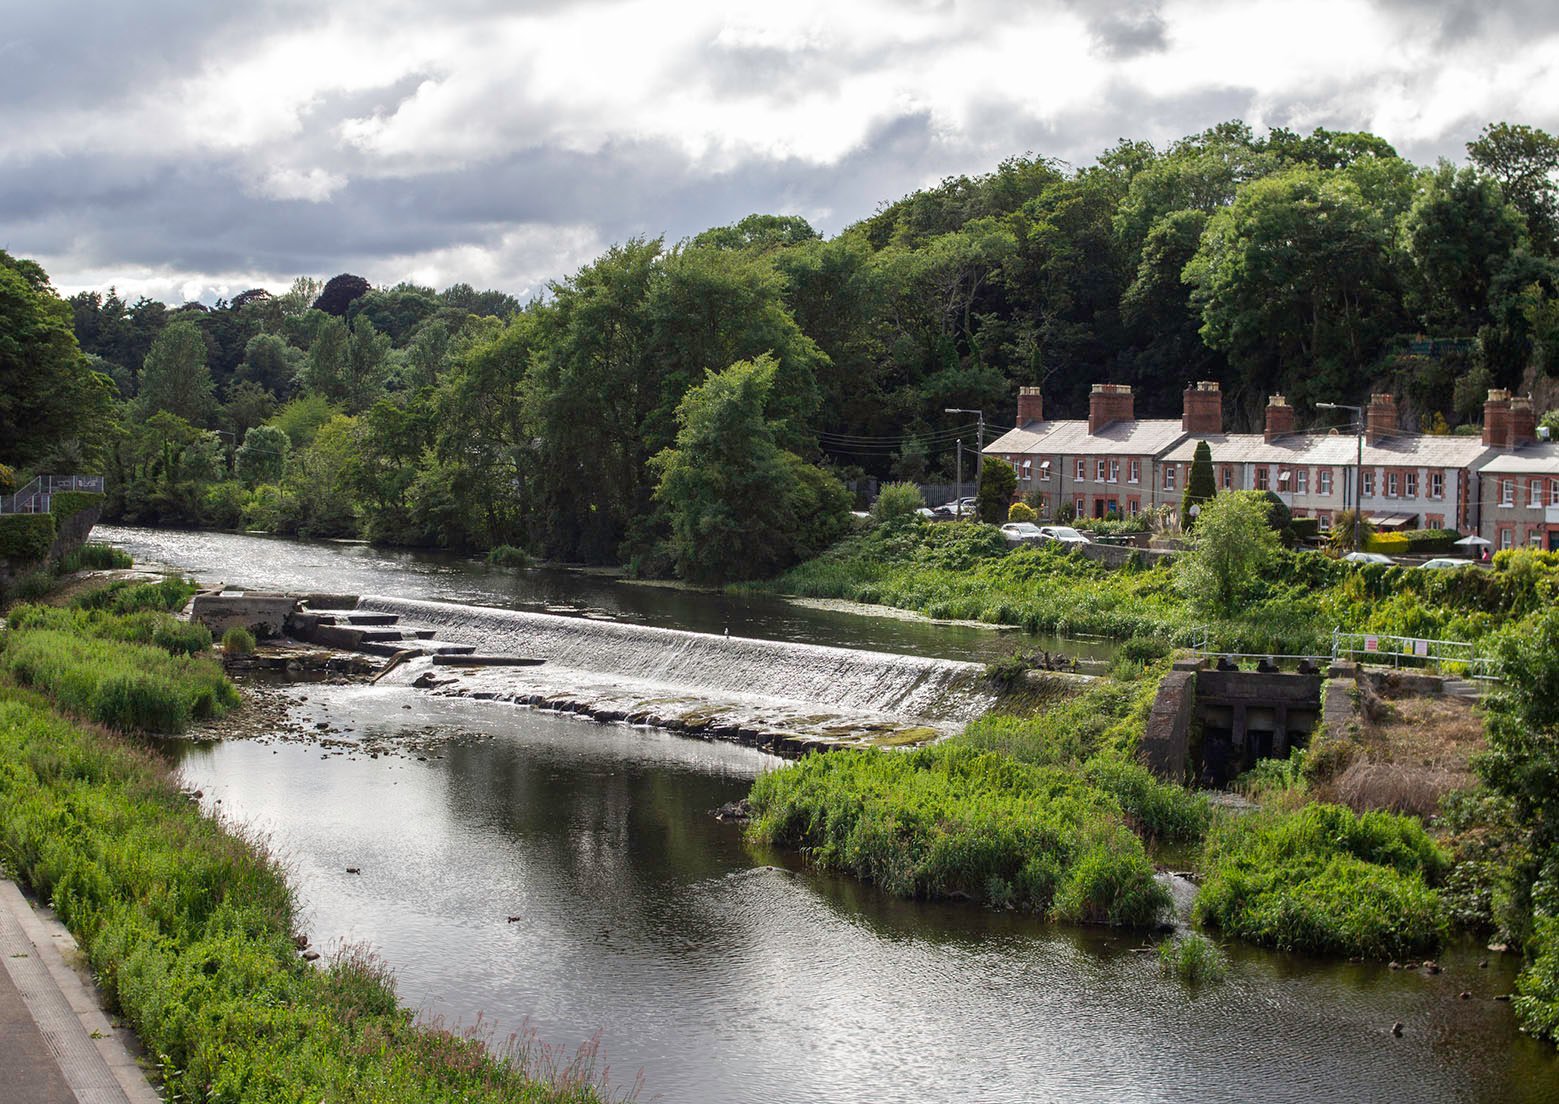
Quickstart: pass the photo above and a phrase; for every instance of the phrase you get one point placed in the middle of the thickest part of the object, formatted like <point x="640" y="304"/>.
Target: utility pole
<point x="958" y="496"/>
<point x="979" y="447"/>
<point x="1358" y="468"/>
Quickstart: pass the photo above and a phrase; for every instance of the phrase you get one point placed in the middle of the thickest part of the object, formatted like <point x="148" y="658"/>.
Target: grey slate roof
<point x="1541" y="458"/>
<point x="1070" y="437"/>
<point x="1408" y="450"/>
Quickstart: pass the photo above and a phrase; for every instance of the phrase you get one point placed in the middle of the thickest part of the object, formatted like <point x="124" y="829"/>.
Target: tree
<point x="1229" y="547"/>
<point x="339" y="294"/>
<point x="48" y="390"/>
<point x="897" y="503"/>
<point x="262" y="457"/>
<point x="270" y="362"/>
<point x="1200" y="487"/>
<point x="1459" y="234"/>
<point x="997" y="483"/>
<point x="175" y="377"/>
<point x="348" y="365"/>
<point x="1524" y="160"/>
<point x="1350" y="532"/>
<point x="738" y="505"/>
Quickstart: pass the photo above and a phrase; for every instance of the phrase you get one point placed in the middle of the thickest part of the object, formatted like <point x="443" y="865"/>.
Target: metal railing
<point x="37" y="497"/>
<point x="1413" y="651"/>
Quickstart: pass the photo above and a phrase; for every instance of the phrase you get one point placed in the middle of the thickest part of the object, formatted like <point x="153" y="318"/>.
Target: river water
<point x="722" y="974"/>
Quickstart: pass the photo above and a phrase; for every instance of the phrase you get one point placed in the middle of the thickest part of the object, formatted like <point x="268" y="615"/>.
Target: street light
<point x="1358" y="469"/>
<point x="979" y="452"/>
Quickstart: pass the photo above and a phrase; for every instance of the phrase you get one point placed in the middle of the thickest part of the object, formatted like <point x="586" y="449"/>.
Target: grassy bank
<point x="188" y="924"/>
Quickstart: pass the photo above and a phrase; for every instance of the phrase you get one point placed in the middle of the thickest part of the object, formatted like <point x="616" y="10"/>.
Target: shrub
<point x="94" y="557"/>
<point x="1022" y="511"/>
<point x="34" y="585"/>
<point x="1324" y="880"/>
<point x="897" y="504"/>
<point x="64" y="504"/>
<point x="954" y="822"/>
<point x="998" y="481"/>
<point x="1193" y="958"/>
<point x="238" y="641"/>
<point x="1387" y="544"/>
<point x="25" y="538"/>
<point x="126" y="597"/>
<point x="506" y="555"/>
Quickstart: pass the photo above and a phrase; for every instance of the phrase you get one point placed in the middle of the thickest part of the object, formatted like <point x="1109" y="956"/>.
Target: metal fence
<point x="37" y="497"/>
<point x="1381" y="649"/>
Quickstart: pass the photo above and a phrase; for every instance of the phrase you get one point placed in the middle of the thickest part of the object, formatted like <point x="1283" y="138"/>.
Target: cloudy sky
<point x="191" y="150"/>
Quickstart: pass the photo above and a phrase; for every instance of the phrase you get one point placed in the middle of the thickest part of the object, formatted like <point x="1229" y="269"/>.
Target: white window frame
<point x="1507" y="538"/>
<point x="1082" y="469"/>
<point x="1393" y="485"/>
<point x="1099" y="471"/>
<point x="1044" y="470"/>
<point x="1436" y="484"/>
<point x="1410" y="485"/>
<point x="1507" y="494"/>
<point x="1226" y="476"/>
<point x="1134" y="471"/>
<point x="1115" y="471"/>
<point x="1169" y="477"/>
<point x="1369" y="485"/>
<point x="1302" y="481"/>
<point x="1535" y="494"/>
<point x="1324" y="481"/>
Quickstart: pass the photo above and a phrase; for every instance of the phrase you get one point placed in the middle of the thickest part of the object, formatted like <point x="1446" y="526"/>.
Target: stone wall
<point x="1166" y="740"/>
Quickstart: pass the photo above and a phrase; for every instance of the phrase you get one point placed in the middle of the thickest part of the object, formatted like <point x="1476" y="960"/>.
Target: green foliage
<point x="738" y="505"/>
<point x="1022" y="511"/>
<point x="175" y="377"/>
<point x="897" y="504"/>
<point x="167" y="594"/>
<point x="1350" y="532"/>
<point x="65" y="504"/>
<point x="189" y="928"/>
<point x="1229" y="548"/>
<point x="506" y="555"/>
<point x="944" y="821"/>
<point x="263" y="456"/>
<point x="1324" y="880"/>
<point x="1193" y="958"/>
<point x="238" y="641"/>
<point x="997" y="483"/>
<point x="25" y="538"/>
<point x="302" y="418"/>
<point x="94" y="557"/>
<point x="1201" y="485"/>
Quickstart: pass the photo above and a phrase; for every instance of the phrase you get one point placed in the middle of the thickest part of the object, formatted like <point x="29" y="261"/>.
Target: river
<point x="722" y="974"/>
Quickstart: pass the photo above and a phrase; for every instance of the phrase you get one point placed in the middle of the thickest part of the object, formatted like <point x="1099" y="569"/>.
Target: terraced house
<point x="1518" y="484"/>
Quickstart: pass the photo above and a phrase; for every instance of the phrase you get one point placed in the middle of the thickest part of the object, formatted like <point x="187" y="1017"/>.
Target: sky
<point x="194" y="150"/>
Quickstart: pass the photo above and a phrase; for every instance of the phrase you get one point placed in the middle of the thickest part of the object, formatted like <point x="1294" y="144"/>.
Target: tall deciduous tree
<point x="1230" y="545"/>
<point x="48" y="390"/>
<point x="175" y="377"/>
<point x="1459" y="235"/>
<point x="739" y="506"/>
<point x="1525" y="161"/>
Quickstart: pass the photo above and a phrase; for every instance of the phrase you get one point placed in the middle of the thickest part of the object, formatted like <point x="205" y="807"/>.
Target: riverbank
<point x="188" y="923"/>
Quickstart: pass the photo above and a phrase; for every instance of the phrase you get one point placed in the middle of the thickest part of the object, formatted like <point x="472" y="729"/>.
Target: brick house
<point x="1518" y="483"/>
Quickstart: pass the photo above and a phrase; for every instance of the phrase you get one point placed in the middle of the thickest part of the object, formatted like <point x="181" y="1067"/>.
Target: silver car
<point x="1065" y="534"/>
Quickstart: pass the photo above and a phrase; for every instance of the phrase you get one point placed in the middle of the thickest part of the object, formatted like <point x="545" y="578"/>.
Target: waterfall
<point x="722" y="668"/>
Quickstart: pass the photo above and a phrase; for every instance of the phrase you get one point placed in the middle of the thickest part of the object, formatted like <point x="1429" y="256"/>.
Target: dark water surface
<point x="725" y="975"/>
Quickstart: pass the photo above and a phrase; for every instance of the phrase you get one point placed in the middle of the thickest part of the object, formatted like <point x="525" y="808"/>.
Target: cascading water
<point x="796" y="687"/>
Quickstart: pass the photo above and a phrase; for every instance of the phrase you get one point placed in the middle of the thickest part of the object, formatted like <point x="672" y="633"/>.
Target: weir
<point x="776" y="683"/>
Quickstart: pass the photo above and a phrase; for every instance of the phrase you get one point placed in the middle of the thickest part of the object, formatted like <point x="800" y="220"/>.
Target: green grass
<point x="126" y="686"/>
<point x="1193" y="958"/>
<point x="166" y="595"/>
<point x="94" y="557"/>
<point x="238" y="641"/>
<point x="953" y="821"/>
<point x="188" y="928"/>
<point x="506" y="555"/>
<point x="1324" y="880"/>
<point x="144" y="627"/>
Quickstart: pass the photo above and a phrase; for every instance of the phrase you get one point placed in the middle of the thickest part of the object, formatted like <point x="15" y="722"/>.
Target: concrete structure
<point x="264" y="615"/>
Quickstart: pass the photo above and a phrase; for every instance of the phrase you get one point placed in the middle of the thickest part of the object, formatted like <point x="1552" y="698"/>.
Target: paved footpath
<point x="56" y="1044"/>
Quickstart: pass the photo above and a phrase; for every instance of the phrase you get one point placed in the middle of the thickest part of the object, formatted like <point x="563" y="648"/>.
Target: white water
<point x="611" y="661"/>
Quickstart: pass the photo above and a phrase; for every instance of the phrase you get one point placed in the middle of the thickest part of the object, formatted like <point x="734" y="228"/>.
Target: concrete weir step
<point x="425" y="647"/>
<point x="368" y="618"/>
<point x="457" y="660"/>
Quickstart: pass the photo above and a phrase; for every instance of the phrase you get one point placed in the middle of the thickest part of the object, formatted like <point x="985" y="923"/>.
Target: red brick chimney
<point x="1031" y="406"/>
<point x="1523" y="421"/>
<point x="1280" y="418"/>
<point x="1110" y="402"/>
<point x="1202" y="409"/>
<point x="1380" y="418"/>
<point x="1496" y="419"/>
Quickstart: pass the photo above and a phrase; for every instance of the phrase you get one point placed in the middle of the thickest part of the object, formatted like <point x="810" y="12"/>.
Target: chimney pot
<point x="1031" y="406"/>
<point x="1280" y="418"/>
<point x="1497" y="419"/>
<point x="1109" y="402"/>
<point x="1202" y="408"/>
<point x="1380" y="418"/>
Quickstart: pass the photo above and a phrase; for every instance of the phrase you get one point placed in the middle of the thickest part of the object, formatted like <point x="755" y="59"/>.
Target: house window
<point x="1393" y="485"/>
<point x="1507" y="495"/>
<point x="1302" y="481"/>
<point x="1099" y="470"/>
<point x="1134" y="471"/>
<point x="1133" y="505"/>
<point x="1325" y="518"/>
<point x="1226" y="477"/>
<point x="1082" y="469"/>
<point x="1082" y="506"/>
<point x="1506" y="538"/>
<point x="1324" y="478"/>
<point x="1285" y="480"/>
<point x="1044" y="469"/>
<point x="1115" y="471"/>
<point x="1169" y="477"/>
<point x="1369" y="484"/>
<point x="1434" y="521"/>
<point x="1410" y="484"/>
<point x="1535" y="499"/>
<point x="1436" y="484"/>
<point x="1553" y="491"/>
<point x="1262" y="477"/>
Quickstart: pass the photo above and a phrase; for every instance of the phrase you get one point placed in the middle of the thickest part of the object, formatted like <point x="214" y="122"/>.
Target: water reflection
<point x="727" y="976"/>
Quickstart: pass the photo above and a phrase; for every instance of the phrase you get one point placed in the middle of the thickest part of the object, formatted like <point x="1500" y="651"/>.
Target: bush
<point x="126" y="597"/>
<point x="1387" y="544"/>
<point x="506" y="555"/>
<point x="1324" y="880"/>
<point x="897" y="504"/>
<point x="1022" y="511"/>
<point x="64" y="504"/>
<point x="956" y="822"/>
<point x="94" y="557"/>
<point x="1193" y="958"/>
<point x="25" y="538"/>
<point x="238" y="641"/>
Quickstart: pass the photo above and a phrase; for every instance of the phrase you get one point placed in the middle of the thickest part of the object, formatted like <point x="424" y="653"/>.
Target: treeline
<point x="1322" y="266"/>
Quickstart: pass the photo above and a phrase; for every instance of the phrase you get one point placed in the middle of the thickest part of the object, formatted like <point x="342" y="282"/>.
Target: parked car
<point x="1065" y="534"/>
<point x="1019" y="531"/>
<point x="1444" y="562"/>
<point x="1367" y="557"/>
